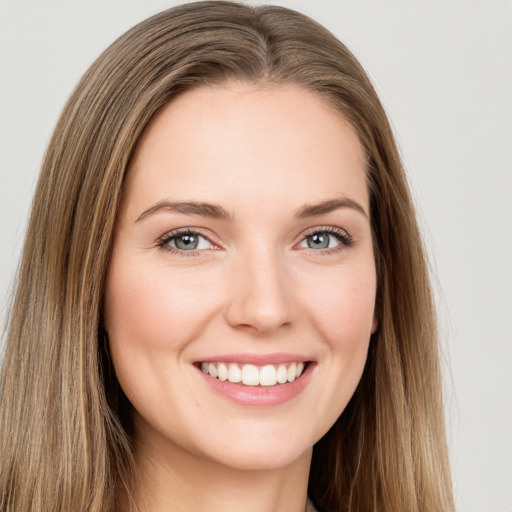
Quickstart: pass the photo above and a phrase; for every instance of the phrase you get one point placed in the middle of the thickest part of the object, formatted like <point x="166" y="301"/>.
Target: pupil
<point x="319" y="241"/>
<point x="187" y="242"/>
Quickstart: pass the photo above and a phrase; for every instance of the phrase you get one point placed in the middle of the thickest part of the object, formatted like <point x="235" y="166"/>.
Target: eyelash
<point x="163" y="243"/>
<point x="344" y="239"/>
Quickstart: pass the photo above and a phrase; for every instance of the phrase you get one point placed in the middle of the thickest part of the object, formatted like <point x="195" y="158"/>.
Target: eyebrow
<point x="218" y="212"/>
<point x="188" y="208"/>
<point x="328" y="206"/>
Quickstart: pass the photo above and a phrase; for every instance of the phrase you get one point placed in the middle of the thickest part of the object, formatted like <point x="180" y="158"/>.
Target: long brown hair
<point x="64" y="444"/>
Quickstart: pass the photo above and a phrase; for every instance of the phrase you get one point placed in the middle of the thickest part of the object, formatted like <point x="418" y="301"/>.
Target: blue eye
<point x="326" y="239"/>
<point x="186" y="241"/>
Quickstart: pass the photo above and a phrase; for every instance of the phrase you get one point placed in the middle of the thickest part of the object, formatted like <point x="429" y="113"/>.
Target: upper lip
<point x="256" y="359"/>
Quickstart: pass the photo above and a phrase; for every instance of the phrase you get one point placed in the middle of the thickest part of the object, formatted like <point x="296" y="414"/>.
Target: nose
<point x="260" y="298"/>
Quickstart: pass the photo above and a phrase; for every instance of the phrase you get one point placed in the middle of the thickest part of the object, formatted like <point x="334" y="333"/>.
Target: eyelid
<point x="325" y="229"/>
<point x="163" y="241"/>
<point x="343" y="236"/>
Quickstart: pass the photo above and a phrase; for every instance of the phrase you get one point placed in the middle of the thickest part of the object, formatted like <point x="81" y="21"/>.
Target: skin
<point x="262" y="153"/>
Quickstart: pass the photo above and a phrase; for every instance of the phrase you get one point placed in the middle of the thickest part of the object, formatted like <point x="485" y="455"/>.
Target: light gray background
<point x="444" y="72"/>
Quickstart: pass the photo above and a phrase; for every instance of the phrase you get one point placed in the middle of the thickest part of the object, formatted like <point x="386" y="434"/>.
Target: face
<point x="242" y="250"/>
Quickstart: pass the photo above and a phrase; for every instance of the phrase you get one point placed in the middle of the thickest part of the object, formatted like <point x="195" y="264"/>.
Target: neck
<point x="178" y="480"/>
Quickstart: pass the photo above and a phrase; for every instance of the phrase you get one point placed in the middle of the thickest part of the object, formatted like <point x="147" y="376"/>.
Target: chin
<point x="257" y="449"/>
<point x="261" y="459"/>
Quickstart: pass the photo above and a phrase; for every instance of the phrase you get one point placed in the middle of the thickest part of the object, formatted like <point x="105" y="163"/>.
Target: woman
<point x="223" y="301"/>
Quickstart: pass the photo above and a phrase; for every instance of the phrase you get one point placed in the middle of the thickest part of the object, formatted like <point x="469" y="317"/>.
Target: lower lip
<point x="260" y="396"/>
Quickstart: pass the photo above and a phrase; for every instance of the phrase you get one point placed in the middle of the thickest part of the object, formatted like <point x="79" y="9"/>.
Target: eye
<point x="326" y="238"/>
<point x="186" y="240"/>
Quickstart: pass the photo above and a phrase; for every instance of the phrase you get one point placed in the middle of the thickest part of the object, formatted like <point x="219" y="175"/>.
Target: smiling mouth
<point x="252" y="375"/>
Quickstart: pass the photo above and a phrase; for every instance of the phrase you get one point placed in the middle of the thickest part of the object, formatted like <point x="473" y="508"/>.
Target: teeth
<point x="251" y="375"/>
<point x="212" y="370"/>
<point x="282" y="374"/>
<point x="292" y="372"/>
<point x="222" y="371"/>
<point x="234" y="373"/>
<point x="268" y="376"/>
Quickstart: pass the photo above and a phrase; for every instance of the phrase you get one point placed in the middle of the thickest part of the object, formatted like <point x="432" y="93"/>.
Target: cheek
<point x="151" y="315"/>
<point x="152" y="308"/>
<point x="343" y="314"/>
<point x="343" y="307"/>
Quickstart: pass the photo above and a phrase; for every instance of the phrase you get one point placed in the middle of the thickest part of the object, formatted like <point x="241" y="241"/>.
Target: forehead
<point x="266" y="143"/>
